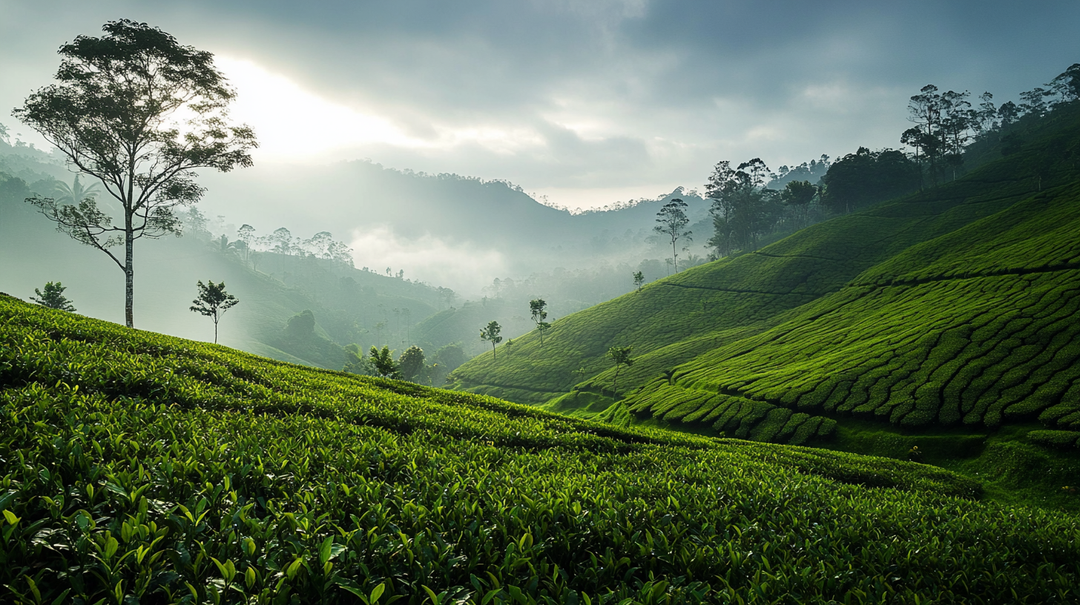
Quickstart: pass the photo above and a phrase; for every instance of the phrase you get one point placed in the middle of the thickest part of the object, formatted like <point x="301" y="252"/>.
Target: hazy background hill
<point x="509" y="247"/>
<point x="444" y="229"/>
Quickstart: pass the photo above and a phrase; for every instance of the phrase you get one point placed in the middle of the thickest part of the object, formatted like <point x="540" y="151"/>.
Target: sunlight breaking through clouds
<point x="294" y="122"/>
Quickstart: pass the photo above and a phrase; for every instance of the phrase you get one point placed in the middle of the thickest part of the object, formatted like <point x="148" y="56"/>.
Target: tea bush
<point x="142" y="468"/>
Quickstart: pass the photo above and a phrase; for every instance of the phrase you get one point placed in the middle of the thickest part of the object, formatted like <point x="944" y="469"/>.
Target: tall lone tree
<point x="621" y="357"/>
<point x="491" y="334"/>
<point x="213" y="302"/>
<point x="672" y="219"/>
<point x="140" y="113"/>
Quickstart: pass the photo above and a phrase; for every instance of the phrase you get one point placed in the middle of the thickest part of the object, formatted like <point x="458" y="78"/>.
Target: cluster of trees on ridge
<point x="746" y="207"/>
<point x="250" y="247"/>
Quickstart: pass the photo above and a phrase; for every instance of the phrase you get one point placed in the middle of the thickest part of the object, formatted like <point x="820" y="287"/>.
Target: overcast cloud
<point x="586" y="102"/>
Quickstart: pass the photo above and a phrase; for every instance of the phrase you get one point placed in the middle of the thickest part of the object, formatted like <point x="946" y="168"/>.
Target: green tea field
<point x="140" y="468"/>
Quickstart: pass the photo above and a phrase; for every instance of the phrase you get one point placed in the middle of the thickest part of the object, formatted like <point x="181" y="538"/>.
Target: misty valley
<point x="851" y="380"/>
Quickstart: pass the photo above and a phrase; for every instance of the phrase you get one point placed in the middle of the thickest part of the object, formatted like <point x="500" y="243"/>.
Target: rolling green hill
<point x="954" y="307"/>
<point x="348" y="304"/>
<point x="145" y="468"/>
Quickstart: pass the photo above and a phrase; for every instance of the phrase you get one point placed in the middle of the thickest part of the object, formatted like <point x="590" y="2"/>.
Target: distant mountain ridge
<point x="422" y="215"/>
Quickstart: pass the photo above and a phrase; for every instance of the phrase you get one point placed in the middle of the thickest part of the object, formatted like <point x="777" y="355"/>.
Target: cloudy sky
<point x="586" y="102"/>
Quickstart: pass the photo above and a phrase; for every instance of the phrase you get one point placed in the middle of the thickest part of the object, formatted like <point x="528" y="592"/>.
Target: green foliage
<point x="866" y="177"/>
<point x="356" y="363"/>
<point x="113" y="115"/>
<point x="53" y="297"/>
<point x="451" y="356"/>
<point x="149" y="468"/>
<point x="742" y="208"/>
<point x="1061" y="439"/>
<point x="538" y="311"/>
<point x="213" y="301"/>
<point x="301" y="325"/>
<point x="620" y="356"/>
<point x="491" y="334"/>
<point x="384" y="364"/>
<point x="639" y="279"/>
<point x="411" y="363"/>
<point x="951" y="308"/>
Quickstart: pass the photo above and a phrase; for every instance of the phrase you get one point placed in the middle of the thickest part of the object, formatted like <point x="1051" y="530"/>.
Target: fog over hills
<point x="444" y="229"/>
<point x="421" y="245"/>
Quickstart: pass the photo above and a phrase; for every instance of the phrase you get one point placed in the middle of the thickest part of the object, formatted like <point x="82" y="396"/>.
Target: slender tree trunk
<point x="129" y="275"/>
<point x="129" y="243"/>
<point x="493" y="358"/>
<point x="215" y="328"/>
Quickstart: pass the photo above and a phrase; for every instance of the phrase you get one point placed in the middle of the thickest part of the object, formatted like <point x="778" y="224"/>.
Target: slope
<point x="870" y="314"/>
<point x="151" y="468"/>
<point x="349" y="304"/>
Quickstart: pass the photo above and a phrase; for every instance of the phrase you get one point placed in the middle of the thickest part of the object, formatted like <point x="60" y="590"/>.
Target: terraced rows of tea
<point x="953" y="307"/>
<point x="674" y="320"/>
<point x="142" y="468"/>
<point x="975" y="327"/>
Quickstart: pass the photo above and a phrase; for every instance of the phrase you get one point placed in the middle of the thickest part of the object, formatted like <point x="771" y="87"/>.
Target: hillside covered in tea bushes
<point x="144" y="468"/>
<point x="951" y="309"/>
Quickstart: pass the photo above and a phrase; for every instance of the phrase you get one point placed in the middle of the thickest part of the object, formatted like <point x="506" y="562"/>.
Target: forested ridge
<point x="949" y="307"/>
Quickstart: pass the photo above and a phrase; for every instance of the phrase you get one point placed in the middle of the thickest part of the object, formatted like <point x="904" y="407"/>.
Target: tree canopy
<point x="671" y="221"/>
<point x="866" y="177"/>
<point x="742" y="206"/>
<point x="140" y="113"/>
<point x="411" y="363"/>
<point x="491" y="334"/>
<point x="538" y="311"/>
<point x="383" y="361"/>
<point x="53" y="297"/>
<point x="213" y="301"/>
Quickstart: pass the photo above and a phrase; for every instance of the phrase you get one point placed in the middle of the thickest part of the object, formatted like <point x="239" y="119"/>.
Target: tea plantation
<point x="951" y="309"/>
<point x="139" y="468"/>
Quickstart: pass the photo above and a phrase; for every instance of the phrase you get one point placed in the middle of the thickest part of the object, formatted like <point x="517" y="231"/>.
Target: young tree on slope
<point x="538" y="310"/>
<point x="621" y="357"/>
<point x="213" y="302"/>
<point x="53" y="297"/>
<point x="384" y="363"/>
<point x="491" y="334"/>
<point x="140" y="113"/>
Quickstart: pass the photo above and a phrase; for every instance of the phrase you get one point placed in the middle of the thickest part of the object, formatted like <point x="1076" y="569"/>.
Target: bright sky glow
<point x="293" y="123"/>
<point x="587" y="102"/>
